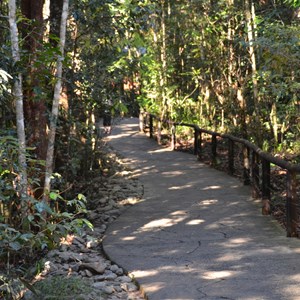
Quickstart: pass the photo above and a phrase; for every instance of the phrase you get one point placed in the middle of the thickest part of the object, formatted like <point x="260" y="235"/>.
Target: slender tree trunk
<point x="249" y="10"/>
<point x="274" y="124"/>
<point x="163" y="57"/>
<point x="230" y="38"/>
<point x="250" y="18"/>
<point x="18" y="95"/>
<point x="55" y="105"/>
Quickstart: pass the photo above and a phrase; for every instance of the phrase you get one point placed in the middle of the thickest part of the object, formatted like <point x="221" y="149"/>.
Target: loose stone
<point x="125" y="279"/>
<point x="111" y="276"/>
<point x="108" y="290"/>
<point x="88" y="273"/>
<point x="96" y="267"/>
<point x="114" y="268"/>
<point x="82" y="257"/>
<point x="120" y="272"/>
<point x="99" y="285"/>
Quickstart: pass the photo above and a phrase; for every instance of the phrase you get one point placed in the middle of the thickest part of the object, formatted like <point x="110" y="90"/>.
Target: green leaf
<point x="26" y="236"/>
<point x="81" y="197"/>
<point x="54" y="196"/>
<point x="293" y="3"/>
<point x="4" y="76"/>
<point x="67" y="215"/>
<point x="43" y="207"/>
<point x="88" y="223"/>
<point x="16" y="246"/>
<point x="51" y="227"/>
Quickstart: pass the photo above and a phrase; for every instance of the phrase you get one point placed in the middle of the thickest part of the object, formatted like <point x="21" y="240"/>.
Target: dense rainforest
<point x="232" y="66"/>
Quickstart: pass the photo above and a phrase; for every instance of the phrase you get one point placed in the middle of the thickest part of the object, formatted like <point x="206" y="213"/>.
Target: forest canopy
<point x="227" y="65"/>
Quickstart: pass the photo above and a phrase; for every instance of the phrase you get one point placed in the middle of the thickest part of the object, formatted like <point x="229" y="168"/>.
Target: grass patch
<point x="62" y="288"/>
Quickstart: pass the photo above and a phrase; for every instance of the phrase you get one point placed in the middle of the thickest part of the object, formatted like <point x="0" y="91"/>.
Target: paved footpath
<point x="197" y="234"/>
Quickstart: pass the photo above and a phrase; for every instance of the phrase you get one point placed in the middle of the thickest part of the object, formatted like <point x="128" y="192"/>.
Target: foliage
<point x="4" y="77"/>
<point x="18" y="247"/>
<point x="210" y="76"/>
<point x="185" y="60"/>
<point x="5" y="104"/>
<point x="294" y="3"/>
<point x="44" y="225"/>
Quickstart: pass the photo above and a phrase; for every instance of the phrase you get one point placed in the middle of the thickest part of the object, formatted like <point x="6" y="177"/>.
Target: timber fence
<point x="255" y="166"/>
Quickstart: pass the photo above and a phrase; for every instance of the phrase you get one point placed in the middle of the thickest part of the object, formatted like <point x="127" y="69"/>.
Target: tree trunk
<point x="249" y="10"/>
<point x="55" y="104"/>
<point x="34" y="103"/>
<point x="163" y="57"/>
<point x="230" y="38"/>
<point x="56" y="7"/>
<point x="18" y="95"/>
<point x="250" y="18"/>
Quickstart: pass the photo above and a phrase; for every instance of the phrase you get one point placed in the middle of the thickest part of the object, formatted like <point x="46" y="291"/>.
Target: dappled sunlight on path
<point x="197" y="234"/>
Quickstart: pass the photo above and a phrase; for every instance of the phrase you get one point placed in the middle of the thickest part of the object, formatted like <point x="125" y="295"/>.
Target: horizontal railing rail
<point x="256" y="164"/>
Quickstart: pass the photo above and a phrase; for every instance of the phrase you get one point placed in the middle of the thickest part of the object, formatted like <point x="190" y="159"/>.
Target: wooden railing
<point x="256" y="164"/>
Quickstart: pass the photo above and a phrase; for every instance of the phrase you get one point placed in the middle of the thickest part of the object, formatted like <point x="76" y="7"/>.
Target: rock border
<point x="82" y="256"/>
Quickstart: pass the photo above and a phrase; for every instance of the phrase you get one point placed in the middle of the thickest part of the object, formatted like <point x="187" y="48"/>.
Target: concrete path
<point x="197" y="234"/>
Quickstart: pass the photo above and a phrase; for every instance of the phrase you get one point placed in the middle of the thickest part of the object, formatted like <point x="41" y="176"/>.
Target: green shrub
<point x="24" y="238"/>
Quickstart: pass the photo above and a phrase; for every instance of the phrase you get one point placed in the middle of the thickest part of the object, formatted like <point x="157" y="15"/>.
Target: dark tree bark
<point x="55" y="16"/>
<point x="35" y="106"/>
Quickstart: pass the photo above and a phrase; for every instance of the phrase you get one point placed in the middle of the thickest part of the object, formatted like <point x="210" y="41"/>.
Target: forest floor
<point x="79" y="269"/>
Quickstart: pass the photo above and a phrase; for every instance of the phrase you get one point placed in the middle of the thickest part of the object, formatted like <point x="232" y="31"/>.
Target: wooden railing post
<point x="173" y="137"/>
<point x="199" y="146"/>
<point x="291" y="205"/>
<point x="255" y="175"/>
<point x="246" y="171"/>
<point x="196" y="138"/>
<point x="214" y="149"/>
<point x="230" y="156"/>
<point x="266" y="187"/>
<point x="151" y="126"/>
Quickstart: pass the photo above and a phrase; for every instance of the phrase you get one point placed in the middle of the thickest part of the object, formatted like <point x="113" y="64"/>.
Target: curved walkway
<point x="197" y="234"/>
